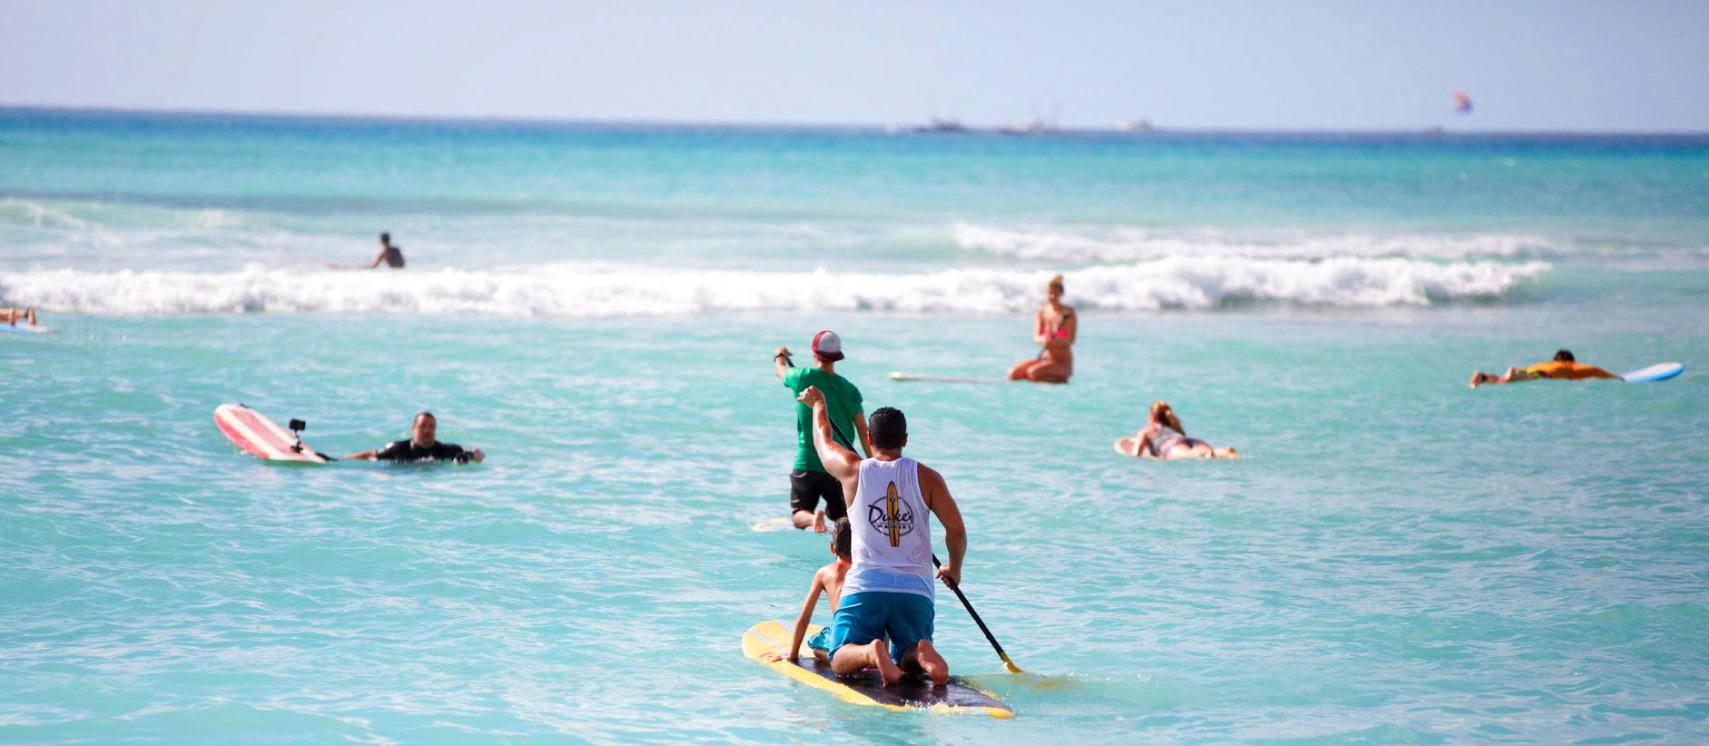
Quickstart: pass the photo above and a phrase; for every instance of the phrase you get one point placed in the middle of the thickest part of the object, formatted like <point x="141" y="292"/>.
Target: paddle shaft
<point x="956" y="587"/>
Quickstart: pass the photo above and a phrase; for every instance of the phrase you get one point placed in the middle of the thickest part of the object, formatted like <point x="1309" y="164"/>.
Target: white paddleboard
<point x="1124" y="446"/>
<point x="25" y="328"/>
<point x="259" y="436"/>
<point x="900" y="376"/>
<point x="1657" y="372"/>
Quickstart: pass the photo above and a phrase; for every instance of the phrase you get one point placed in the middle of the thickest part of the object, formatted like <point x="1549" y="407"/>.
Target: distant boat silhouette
<point x="943" y="126"/>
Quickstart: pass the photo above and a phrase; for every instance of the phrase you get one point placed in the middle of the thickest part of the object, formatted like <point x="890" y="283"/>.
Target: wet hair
<point x="385" y="238"/>
<point x="1055" y="284"/>
<point x="842" y="538"/>
<point x="1564" y="356"/>
<point x="888" y="427"/>
<point x="1162" y="412"/>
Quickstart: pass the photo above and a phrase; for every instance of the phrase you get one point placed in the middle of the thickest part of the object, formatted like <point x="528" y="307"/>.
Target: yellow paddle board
<point x="766" y="641"/>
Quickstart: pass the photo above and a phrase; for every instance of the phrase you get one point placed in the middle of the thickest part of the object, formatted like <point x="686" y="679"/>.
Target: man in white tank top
<point x="888" y="593"/>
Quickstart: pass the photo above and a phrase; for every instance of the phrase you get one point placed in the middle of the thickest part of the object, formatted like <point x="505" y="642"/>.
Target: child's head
<point x="842" y="539"/>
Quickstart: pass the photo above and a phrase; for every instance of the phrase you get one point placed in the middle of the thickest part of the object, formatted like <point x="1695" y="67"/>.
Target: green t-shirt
<point x="842" y="405"/>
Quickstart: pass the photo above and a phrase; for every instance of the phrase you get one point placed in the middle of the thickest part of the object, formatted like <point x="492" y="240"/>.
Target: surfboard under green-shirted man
<point x="808" y="482"/>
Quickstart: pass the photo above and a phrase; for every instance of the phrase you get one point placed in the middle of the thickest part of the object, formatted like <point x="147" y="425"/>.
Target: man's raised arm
<point x="839" y="462"/>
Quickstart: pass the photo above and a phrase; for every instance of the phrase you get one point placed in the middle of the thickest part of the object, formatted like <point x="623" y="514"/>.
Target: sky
<point x="1565" y="65"/>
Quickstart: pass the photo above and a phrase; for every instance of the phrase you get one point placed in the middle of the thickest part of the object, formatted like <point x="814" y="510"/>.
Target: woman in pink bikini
<point x="1056" y="330"/>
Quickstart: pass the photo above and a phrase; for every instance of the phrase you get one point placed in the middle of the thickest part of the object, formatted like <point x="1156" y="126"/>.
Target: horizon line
<point x="888" y="127"/>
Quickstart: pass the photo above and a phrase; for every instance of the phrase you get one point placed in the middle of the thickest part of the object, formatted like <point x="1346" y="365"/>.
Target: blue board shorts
<point x="904" y="618"/>
<point x="820" y="640"/>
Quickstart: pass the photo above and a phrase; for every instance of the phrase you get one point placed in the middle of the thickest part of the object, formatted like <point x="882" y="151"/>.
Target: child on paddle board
<point x="830" y="580"/>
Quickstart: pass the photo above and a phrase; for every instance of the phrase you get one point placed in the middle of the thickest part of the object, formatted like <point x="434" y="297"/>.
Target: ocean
<point x="1397" y="559"/>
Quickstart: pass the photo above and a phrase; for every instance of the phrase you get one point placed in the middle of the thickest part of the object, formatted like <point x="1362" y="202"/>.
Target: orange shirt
<point x="1567" y="371"/>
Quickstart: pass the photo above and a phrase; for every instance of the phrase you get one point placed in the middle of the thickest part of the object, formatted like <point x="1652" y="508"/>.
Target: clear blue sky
<point x="1566" y="65"/>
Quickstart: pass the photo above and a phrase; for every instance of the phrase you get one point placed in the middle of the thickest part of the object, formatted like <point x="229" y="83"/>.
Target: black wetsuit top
<point x="405" y="450"/>
<point x="394" y="257"/>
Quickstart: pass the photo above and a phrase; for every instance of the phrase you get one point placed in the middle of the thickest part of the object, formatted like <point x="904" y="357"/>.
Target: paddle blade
<point x="1010" y="665"/>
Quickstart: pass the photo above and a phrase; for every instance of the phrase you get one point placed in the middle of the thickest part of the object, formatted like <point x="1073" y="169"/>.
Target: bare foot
<point x="887" y="670"/>
<point x="819" y="522"/>
<point x="932" y="663"/>
<point x="1477" y="378"/>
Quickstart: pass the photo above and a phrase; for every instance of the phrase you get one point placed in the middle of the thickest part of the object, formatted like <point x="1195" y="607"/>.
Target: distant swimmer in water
<point x="1056" y="329"/>
<point x="421" y="446"/>
<point x="13" y="315"/>
<point x="808" y="482"/>
<point x="391" y="255"/>
<point x="1164" y="438"/>
<point x="1563" y="367"/>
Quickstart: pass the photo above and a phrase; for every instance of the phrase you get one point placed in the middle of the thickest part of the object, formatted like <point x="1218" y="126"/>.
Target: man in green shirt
<point x="809" y="482"/>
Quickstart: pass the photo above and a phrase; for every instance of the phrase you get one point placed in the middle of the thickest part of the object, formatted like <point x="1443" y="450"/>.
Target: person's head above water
<point x="1054" y="289"/>
<point x="385" y="239"/>
<point x="1564" y="356"/>
<point x="889" y="429"/>
<point x="842" y="539"/>
<point x="421" y="432"/>
<point x="827" y="346"/>
<point x="1161" y="412"/>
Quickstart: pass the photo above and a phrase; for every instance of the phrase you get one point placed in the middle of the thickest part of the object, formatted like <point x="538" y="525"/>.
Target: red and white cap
<point x="828" y="346"/>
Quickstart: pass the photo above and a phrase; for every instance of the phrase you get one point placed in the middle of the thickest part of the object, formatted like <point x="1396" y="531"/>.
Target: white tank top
<point x="892" y="546"/>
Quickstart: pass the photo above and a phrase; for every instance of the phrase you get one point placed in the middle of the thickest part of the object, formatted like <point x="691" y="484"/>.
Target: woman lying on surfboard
<point x="1056" y="329"/>
<point x="1164" y="438"/>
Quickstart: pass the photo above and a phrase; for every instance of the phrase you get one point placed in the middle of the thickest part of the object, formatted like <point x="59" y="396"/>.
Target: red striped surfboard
<point x="259" y="436"/>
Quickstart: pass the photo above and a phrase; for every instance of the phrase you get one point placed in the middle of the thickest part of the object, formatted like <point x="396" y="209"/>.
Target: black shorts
<point x="806" y="487"/>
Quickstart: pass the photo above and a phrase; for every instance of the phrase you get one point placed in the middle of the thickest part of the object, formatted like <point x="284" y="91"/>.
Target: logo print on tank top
<point x="891" y="517"/>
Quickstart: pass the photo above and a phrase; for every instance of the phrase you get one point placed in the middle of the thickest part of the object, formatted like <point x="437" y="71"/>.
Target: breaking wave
<point x="1087" y="245"/>
<point x="590" y="289"/>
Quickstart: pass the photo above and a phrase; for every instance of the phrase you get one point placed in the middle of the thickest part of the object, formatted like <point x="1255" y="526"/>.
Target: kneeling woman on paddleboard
<point x="1056" y="329"/>
<point x="1164" y="438"/>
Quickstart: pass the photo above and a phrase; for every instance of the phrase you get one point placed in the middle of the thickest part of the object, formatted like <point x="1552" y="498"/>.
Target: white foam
<point x="587" y="289"/>
<point x="1092" y="244"/>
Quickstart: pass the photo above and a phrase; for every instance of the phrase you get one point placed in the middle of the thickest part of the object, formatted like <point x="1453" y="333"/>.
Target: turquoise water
<point x="1397" y="560"/>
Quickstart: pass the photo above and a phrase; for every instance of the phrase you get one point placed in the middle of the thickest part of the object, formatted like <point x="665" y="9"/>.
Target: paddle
<point x="976" y="620"/>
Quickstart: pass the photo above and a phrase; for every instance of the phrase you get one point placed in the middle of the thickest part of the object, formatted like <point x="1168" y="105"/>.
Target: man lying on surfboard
<point x="889" y="590"/>
<point x="1563" y="367"/>
<point x="420" y="446"/>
